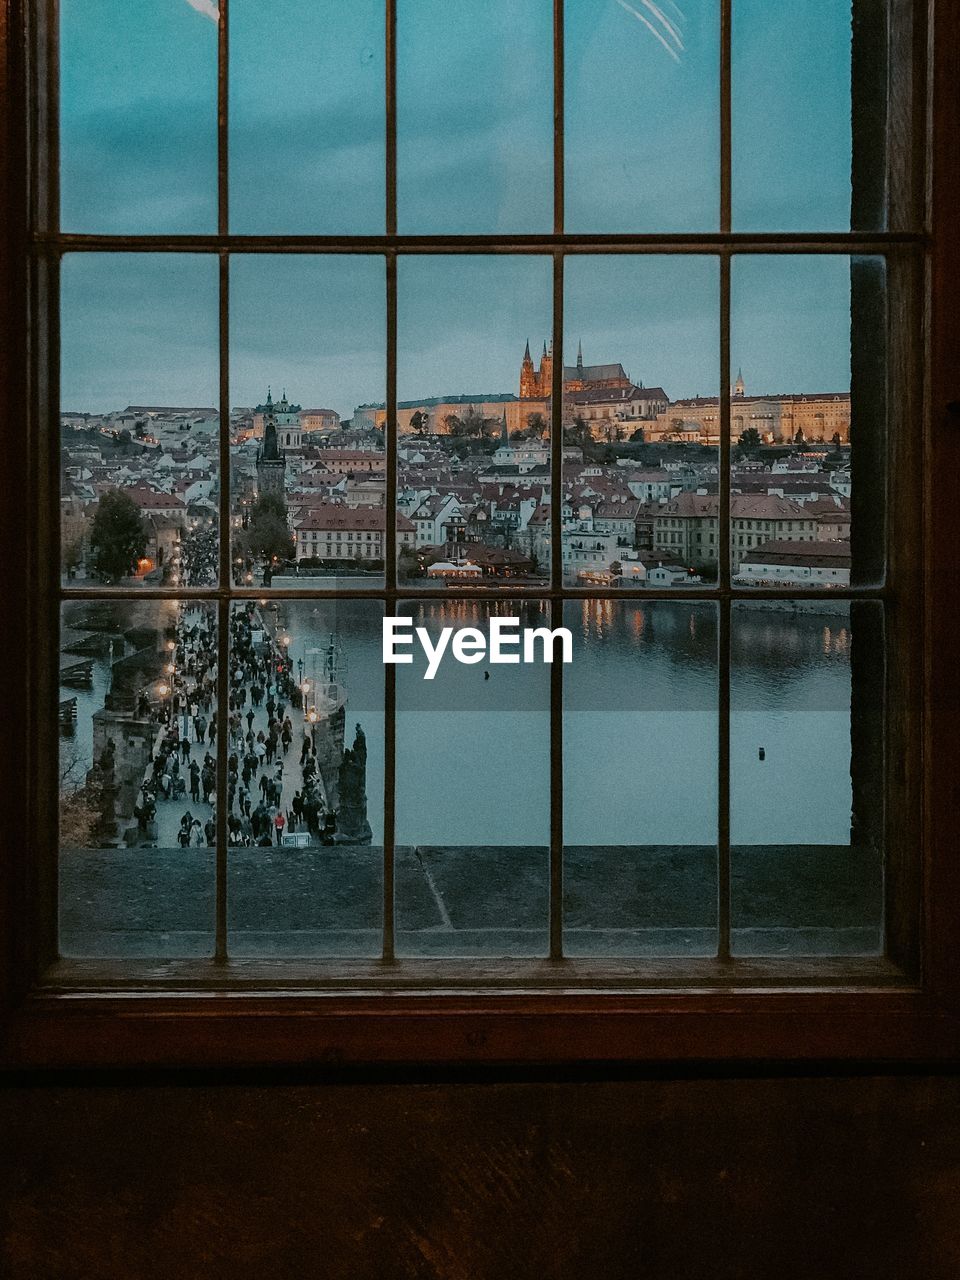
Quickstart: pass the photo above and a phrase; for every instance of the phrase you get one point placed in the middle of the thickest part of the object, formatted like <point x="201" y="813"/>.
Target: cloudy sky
<point x="138" y="140"/>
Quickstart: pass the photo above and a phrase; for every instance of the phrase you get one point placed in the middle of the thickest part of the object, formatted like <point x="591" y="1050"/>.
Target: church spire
<point x="526" y="351"/>
<point x="580" y="357"/>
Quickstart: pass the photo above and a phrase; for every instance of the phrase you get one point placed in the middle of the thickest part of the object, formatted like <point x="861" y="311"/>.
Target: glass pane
<point x="793" y="506"/>
<point x="474" y="455"/>
<point x="307" y="119"/>
<point x="641" y="116"/>
<point x="806" y="769"/>
<point x="641" y="427"/>
<point x="473" y="791"/>
<point x="640" y="779"/>
<point x="139" y="426"/>
<point x="791" y="115"/>
<point x="138" y="117"/>
<point x="474" y="116"/>
<point x="307" y="345"/>
<point x="305" y="771"/>
<point x="137" y="778"/>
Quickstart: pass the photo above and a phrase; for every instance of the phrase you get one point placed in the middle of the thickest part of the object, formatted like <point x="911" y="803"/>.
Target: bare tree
<point x="80" y="800"/>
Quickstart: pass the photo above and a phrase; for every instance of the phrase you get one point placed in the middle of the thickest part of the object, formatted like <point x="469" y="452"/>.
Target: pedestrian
<point x="278" y="823"/>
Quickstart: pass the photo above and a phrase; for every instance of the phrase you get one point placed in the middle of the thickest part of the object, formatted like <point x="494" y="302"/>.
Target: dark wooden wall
<point x="713" y="1178"/>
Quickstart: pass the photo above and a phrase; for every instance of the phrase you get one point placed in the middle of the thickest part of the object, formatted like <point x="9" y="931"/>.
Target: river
<point x="640" y="724"/>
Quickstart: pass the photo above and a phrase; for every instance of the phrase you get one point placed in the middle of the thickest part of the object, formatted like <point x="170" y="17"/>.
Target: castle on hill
<point x="537" y="384"/>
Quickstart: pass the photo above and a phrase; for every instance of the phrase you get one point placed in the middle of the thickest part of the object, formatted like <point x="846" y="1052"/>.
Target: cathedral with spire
<point x="536" y="383"/>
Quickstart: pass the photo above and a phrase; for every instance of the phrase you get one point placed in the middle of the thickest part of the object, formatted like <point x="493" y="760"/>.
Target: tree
<point x="536" y="426"/>
<point x="469" y="427"/>
<point x="750" y="438"/>
<point x="81" y="800"/>
<point x="798" y="438"/>
<point x="418" y="421"/>
<point x="71" y="556"/>
<point x="267" y="535"/>
<point x="118" y="537"/>
<point x="578" y="433"/>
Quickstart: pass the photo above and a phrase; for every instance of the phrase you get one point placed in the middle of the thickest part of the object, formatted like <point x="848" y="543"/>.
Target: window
<point x="554" y="893"/>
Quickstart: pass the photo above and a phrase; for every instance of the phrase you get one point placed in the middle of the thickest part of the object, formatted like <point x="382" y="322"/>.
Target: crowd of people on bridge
<point x="264" y="703"/>
<point x="199" y="554"/>
<point x="261" y="680"/>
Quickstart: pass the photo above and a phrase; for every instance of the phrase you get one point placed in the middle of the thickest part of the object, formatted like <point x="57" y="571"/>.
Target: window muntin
<point x="723" y="534"/>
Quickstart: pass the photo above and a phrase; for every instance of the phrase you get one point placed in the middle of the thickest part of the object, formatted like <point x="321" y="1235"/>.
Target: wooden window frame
<point x="734" y="1011"/>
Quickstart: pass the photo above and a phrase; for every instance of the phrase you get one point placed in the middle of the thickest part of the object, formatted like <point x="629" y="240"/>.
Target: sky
<point x="138" y="147"/>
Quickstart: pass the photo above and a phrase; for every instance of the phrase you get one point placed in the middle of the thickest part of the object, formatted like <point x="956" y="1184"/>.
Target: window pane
<point x="474" y="116"/>
<point x="794" y="502"/>
<point x="307" y="346"/>
<point x="138" y="422"/>
<point x="641" y="116"/>
<point x="305" y="771"/>
<point x="791" y="114"/>
<point x="307" y="125"/>
<point x="137" y="778"/>
<point x="641" y="428"/>
<point x="138" y="117"/>
<point x="474" y="455"/>
<point x="806" y="769"/>
<point x="640" y="779"/>
<point x="473" y="793"/>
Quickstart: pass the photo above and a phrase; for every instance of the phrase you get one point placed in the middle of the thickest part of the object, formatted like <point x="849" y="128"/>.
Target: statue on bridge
<point x="352" y="824"/>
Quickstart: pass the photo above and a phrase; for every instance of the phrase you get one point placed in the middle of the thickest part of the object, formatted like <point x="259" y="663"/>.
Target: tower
<point x="580" y="361"/>
<point x="546" y="371"/>
<point x="271" y="464"/>
<point x="529" y="387"/>
<point x="739" y="390"/>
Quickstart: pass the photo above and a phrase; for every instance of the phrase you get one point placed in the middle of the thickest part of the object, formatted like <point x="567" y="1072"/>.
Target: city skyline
<point x="316" y="325"/>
